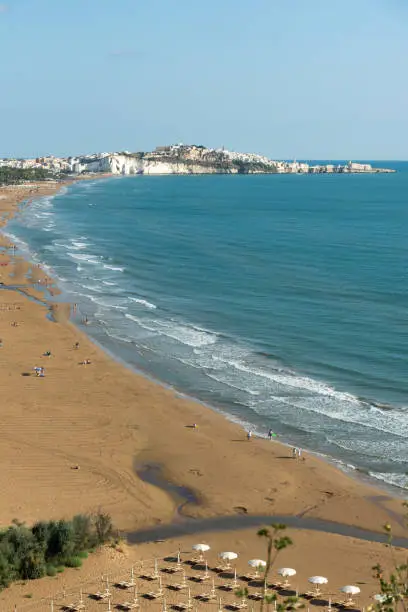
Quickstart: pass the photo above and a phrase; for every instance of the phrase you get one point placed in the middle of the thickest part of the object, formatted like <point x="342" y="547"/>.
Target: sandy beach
<point x="342" y="560"/>
<point x="107" y="420"/>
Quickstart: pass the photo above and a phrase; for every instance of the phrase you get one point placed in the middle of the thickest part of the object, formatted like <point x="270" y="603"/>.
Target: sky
<point x="305" y="79"/>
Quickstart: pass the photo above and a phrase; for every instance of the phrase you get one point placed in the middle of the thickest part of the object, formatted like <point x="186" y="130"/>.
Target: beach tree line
<point x="27" y="553"/>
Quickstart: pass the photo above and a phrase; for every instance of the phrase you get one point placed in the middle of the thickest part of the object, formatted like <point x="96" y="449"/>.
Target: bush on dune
<point x="47" y="547"/>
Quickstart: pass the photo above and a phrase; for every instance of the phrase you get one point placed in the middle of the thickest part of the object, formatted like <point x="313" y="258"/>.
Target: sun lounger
<point x="347" y="603"/>
<point x="224" y="567"/>
<point x="208" y="596"/>
<point x="155" y="594"/>
<point x="125" y="584"/>
<point x="104" y="595"/>
<point x="129" y="605"/>
<point x="76" y="607"/>
<point x="179" y="586"/>
<point x="202" y="577"/>
<point x="185" y="605"/>
<point x="173" y="569"/>
<point x="315" y="593"/>
<point x="239" y="605"/>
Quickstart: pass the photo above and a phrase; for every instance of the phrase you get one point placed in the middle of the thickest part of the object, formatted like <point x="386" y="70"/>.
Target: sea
<point x="279" y="300"/>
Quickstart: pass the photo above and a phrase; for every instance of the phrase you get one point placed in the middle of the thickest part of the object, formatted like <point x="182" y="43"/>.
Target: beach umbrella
<point x="200" y="547"/>
<point x="257" y="563"/>
<point x="228" y="556"/>
<point x="350" y="589"/>
<point x="318" y="580"/>
<point x="286" y="572"/>
<point x="381" y="597"/>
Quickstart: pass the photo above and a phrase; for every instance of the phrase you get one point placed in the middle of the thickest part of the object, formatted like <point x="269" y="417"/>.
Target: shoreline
<point x="330" y="398"/>
<point x="201" y="410"/>
<point x="346" y="466"/>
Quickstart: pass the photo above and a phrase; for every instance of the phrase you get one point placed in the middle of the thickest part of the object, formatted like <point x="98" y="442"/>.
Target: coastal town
<point x="182" y="159"/>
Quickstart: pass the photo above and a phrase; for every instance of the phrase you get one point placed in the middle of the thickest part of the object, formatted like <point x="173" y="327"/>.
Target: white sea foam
<point x="95" y="288"/>
<point x="120" y="337"/>
<point x="224" y="381"/>
<point x="396" y="479"/>
<point x="106" y="302"/>
<point x="114" y="268"/>
<point x="19" y="242"/>
<point x="184" y="334"/>
<point x="143" y="303"/>
<point x="358" y="413"/>
<point x="85" y="258"/>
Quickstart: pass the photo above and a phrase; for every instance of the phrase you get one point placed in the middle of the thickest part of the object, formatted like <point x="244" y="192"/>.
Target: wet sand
<point x="106" y="419"/>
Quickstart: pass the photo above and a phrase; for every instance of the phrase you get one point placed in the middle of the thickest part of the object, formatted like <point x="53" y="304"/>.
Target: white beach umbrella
<point x="258" y="563"/>
<point x="381" y="597"/>
<point x="286" y="572"/>
<point x="228" y="556"/>
<point x="350" y="589"/>
<point x="318" y="580"/>
<point x="201" y="547"/>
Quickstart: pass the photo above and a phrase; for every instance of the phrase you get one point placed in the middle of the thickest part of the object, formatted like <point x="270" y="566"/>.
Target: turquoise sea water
<point x="281" y="300"/>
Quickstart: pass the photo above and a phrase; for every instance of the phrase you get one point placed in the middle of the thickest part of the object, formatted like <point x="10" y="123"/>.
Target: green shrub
<point x="73" y="562"/>
<point x="84" y="537"/>
<point x="30" y="553"/>
<point x="103" y="527"/>
<point x="82" y="555"/>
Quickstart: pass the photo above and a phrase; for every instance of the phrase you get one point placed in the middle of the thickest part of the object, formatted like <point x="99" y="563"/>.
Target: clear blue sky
<point x="313" y="79"/>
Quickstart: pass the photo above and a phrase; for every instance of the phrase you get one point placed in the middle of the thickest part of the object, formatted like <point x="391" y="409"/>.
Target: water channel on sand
<point x="184" y="525"/>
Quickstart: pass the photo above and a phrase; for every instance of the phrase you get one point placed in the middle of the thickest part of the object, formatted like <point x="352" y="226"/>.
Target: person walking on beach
<point x="249" y="435"/>
<point x="294" y="452"/>
<point x="271" y="434"/>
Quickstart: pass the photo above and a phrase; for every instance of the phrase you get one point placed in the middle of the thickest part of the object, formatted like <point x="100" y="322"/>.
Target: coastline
<point x="108" y="337"/>
<point x="304" y="487"/>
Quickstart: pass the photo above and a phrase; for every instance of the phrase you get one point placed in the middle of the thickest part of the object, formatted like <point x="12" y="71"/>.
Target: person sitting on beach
<point x="47" y="354"/>
<point x="86" y="362"/>
<point x="14" y="324"/>
<point x="76" y="345"/>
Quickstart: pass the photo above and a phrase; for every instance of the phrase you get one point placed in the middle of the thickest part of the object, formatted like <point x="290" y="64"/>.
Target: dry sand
<point x="104" y="418"/>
